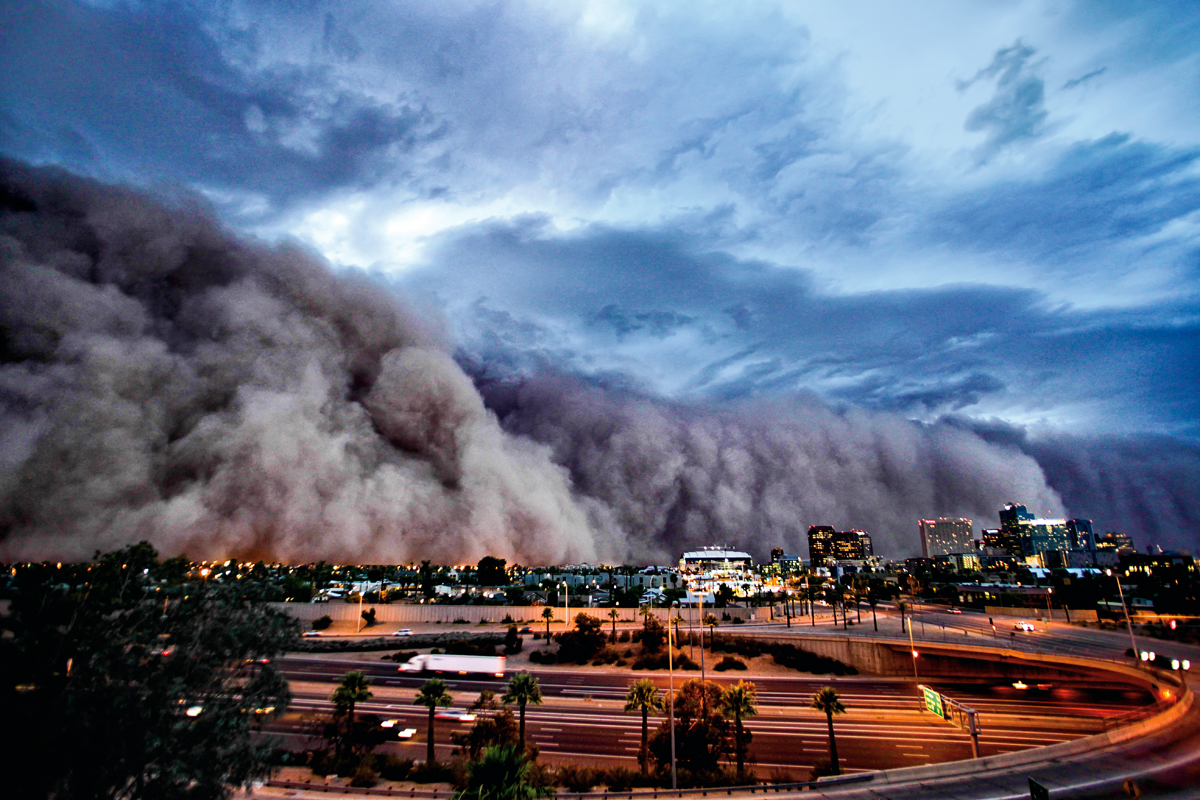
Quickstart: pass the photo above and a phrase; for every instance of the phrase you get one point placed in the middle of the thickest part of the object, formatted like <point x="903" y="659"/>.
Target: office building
<point x="820" y="544"/>
<point x="943" y="536"/>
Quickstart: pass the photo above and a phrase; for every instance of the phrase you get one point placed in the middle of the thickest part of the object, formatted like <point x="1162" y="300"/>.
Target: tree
<point x="493" y="726"/>
<point x="653" y="634"/>
<point x="646" y="697"/>
<point x="739" y="701"/>
<point x="702" y="732"/>
<point x="523" y="689"/>
<point x="501" y="774"/>
<point x="614" y="615"/>
<point x="432" y="695"/>
<point x="490" y="571"/>
<point x="133" y="689"/>
<point x="827" y="700"/>
<point x="369" y="618"/>
<point x="584" y="641"/>
<point x="547" y="614"/>
<point x="350" y="691"/>
<point x="711" y="622"/>
<point x="901" y="606"/>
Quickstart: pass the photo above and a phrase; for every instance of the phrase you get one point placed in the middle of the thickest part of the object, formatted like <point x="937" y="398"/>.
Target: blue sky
<point x="987" y="213"/>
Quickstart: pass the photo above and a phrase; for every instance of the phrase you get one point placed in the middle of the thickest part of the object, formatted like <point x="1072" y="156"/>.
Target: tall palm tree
<point x="352" y="689"/>
<point x="827" y="700"/>
<point x="614" y="615"/>
<point x="432" y="695"/>
<point x="547" y="614"/>
<point x="644" y="695"/>
<point x="739" y="701"/>
<point x="712" y="622"/>
<point x="523" y="689"/>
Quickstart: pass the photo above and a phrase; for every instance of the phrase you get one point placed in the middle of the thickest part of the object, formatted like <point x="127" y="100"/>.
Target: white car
<point x="403" y="632"/>
<point x="955" y="610"/>
<point x="401" y="733"/>
<point x="1023" y="626"/>
<point x="456" y="715"/>
<point x="311" y="633"/>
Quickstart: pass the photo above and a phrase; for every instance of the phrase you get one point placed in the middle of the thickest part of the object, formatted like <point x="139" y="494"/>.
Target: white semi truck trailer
<point x="462" y="665"/>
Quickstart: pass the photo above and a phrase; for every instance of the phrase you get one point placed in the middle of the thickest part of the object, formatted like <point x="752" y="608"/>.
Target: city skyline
<point x="581" y="281"/>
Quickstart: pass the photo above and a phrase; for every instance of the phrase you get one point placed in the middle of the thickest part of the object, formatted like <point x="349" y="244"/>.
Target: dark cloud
<point x="149" y="89"/>
<point x="767" y="331"/>
<point x="1098" y="195"/>
<point x="1096" y="73"/>
<point x="1017" y="108"/>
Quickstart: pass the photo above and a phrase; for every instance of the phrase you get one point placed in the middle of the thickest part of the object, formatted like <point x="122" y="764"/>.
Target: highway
<point x="582" y="715"/>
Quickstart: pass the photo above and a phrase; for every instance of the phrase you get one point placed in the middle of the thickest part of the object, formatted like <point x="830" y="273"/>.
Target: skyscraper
<point x="820" y="544"/>
<point x="943" y="536"/>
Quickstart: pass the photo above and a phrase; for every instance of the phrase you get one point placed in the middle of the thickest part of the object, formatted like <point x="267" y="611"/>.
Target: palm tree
<point x="614" y="615"/>
<point x="644" y="695"/>
<point x="432" y="695"/>
<point x="712" y="622"/>
<point x="827" y="700"/>
<point x="501" y="773"/>
<point x="901" y="606"/>
<point x="523" y="689"/>
<point x="872" y="601"/>
<point x="547" y="614"/>
<point x="739" y="701"/>
<point x="351" y="690"/>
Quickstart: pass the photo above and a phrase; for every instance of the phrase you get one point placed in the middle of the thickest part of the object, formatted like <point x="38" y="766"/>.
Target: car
<point x="526" y="629"/>
<point x="403" y="632"/>
<point x="311" y="633"/>
<point x="955" y="610"/>
<point x="263" y="660"/>
<point x="456" y="715"/>
<point x="393" y="726"/>
<point x="1022" y="626"/>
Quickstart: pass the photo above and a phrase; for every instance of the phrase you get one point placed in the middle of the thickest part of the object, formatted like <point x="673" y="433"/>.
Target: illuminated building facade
<point x="943" y="536"/>
<point x="820" y="544"/>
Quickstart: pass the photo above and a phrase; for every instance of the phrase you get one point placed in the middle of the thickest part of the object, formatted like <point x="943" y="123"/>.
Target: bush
<point x="430" y="772"/>
<point x="400" y="656"/>
<point x="821" y="769"/>
<point x="393" y="768"/>
<point x="728" y="663"/>
<point x="461" y="621"/>
<point x="618" y="779"/>
<point x="651" y="661"/>
<point x="739" y="621"/>
<point x="576" y="778"/>
<point x="508" y="620"/>
<point x="363" y="776"/>
<point x="322" y="623"/>
<point x="543" y="657"/>
<point x="623" y="636"/>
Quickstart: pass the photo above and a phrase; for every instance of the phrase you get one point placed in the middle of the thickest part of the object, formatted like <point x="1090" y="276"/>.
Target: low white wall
<point x="1058" y="615"/>
<point x="528" y="615"/>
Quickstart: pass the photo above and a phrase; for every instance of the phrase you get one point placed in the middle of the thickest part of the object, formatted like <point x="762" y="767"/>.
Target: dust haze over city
<point x="592" y="282"/>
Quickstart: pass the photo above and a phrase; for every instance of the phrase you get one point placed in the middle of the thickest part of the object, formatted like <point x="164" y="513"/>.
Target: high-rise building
<point x="943" y="536"/>
<point x="820" y="544"/>
<point x="1115" y="541"/>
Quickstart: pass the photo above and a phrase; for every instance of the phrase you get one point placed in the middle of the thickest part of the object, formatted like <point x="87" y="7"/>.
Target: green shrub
<point x="576" y="778"/>
<point x="739" y="621"/>
<point x="728" y="663"/>
<point x="363" y="776"/>
<point x="430" y="772"/>
<point x="618" y="779"/>
<point x="461" y="621"/>
<point x="322" y="623"/>
<point x="393" y="768"/>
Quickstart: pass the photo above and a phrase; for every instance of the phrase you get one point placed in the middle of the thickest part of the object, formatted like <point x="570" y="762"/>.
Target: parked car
<point x="403" y="632"/>
<point x="1023" y="626"/>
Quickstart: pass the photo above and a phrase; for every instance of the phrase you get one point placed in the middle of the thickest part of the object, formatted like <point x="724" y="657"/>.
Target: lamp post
<point x="671" y="708"/>
<point x="1124" y="608"/>
<point x="912" y="647"/>
<point x="566" y="606"/>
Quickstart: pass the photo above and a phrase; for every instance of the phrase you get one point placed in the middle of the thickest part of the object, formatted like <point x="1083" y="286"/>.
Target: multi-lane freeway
<point x="582" y="716"/>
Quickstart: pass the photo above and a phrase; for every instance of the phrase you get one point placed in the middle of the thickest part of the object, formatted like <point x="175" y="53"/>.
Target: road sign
<point x="1037" y="791"/>
<point x="933" y="702"/>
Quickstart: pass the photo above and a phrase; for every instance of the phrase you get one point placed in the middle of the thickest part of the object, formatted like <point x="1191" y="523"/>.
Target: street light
<point x="671" y="708"/>
<point x="566" y="606"/>
<point x="1124" y="608"/>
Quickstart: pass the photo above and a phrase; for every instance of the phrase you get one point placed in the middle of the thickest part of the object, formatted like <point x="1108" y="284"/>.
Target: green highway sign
<point x="1037" y="791"/>
<point x="933" y="701"/>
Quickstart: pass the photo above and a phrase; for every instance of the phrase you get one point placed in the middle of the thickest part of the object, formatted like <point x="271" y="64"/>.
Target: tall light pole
<point x="566" y="606"/>
<point x="912" y="647"/>
<point x="1124" y="608"/>
<point x="671" y="708"/>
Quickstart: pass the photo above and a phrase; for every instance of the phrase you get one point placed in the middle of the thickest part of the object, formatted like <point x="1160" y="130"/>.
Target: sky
<point x="973" y="217"/>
